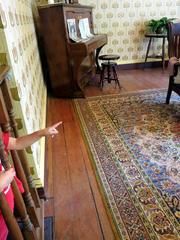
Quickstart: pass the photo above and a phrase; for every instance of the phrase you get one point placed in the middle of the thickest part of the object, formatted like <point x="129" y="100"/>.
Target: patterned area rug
<point x="134" y="141"/>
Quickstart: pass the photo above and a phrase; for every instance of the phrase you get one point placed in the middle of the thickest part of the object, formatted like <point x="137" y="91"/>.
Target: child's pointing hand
<point x="52" y="130"/>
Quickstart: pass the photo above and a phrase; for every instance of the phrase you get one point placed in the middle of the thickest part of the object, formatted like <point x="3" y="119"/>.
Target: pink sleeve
<point x="5" y="138"/>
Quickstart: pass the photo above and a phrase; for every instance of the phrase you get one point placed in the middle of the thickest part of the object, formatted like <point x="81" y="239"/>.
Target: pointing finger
<point x="57" y="124"/>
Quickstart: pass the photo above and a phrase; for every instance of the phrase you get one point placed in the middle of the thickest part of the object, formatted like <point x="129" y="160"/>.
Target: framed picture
<point x="84" y="28"/>
<point x="71" y="23"/>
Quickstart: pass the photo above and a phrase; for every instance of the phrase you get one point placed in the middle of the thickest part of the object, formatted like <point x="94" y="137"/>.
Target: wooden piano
<point x="70" y="64"/>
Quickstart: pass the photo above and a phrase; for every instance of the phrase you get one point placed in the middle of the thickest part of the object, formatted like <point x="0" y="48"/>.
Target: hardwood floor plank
<point x="63" y="199"/>
<point x="49" y="207"/>
<point x="86" y="225"/>
<point x="48" y="181"/>
<point x="130" y="80"/>
<point x="75" y="213"/>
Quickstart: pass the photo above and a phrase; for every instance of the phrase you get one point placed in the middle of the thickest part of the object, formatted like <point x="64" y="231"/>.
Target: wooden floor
<point x="73" y="196"/>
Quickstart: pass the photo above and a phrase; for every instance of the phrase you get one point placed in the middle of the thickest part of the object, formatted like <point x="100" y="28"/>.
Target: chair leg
<point x="171" y="81"/>
<point x="168" y="95"/>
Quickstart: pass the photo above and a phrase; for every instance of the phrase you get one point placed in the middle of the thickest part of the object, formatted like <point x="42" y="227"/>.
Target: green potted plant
<point x="159" y="26"/>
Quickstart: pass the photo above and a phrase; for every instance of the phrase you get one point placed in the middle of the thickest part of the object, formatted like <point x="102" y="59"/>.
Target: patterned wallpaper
<point x="19" y="45"/>
<point x="125" y="23"/>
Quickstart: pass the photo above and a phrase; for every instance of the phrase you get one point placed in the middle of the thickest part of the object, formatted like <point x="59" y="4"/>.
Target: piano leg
<point x="77" y="88"/>
<point x="98" y="68"/>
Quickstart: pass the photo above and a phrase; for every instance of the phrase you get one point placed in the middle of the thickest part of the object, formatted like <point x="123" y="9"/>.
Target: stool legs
<point x="115" y="76"/>
<point x="101" y="83"/>
<point x="111" y="74"/>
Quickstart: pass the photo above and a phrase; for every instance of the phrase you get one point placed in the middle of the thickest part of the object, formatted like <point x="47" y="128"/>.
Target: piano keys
<point x="70" y="64"/>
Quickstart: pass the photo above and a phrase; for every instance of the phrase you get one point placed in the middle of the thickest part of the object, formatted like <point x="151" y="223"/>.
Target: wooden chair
<point x="173" y="35"/>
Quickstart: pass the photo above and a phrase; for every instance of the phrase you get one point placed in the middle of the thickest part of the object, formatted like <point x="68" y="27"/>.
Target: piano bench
<point x="108" y="69"/>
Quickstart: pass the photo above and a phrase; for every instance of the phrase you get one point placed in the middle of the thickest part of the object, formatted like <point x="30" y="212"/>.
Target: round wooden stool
<point x="108" y="69"/>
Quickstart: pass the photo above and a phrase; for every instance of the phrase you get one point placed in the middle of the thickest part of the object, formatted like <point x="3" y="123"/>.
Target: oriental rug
<point x="134" y="143"/>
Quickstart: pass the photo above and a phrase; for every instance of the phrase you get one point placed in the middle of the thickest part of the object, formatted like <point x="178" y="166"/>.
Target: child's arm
<point x="6" y="178"/>
<point x="27" y="140"/>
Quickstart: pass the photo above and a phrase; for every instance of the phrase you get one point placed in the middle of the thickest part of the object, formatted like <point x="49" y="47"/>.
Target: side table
<point x="162" y="56"/>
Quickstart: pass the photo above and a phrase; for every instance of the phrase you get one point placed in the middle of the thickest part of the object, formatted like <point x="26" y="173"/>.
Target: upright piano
<point x="70" y="64"/>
